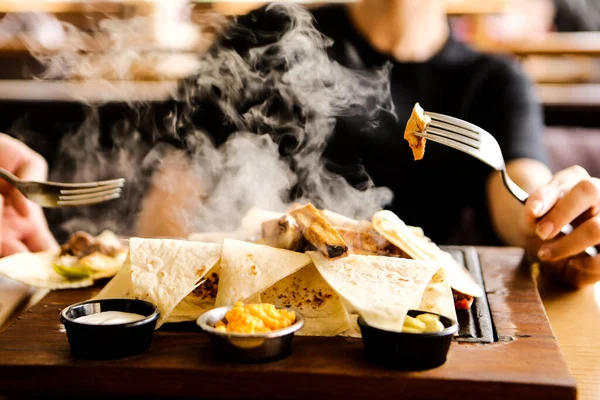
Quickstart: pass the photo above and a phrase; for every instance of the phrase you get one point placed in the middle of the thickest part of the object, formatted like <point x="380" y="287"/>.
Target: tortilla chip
<point x="307" y="292"/>
<point x="165" y="271"/>
<point x="380" y="289"/>
<point x="419" y="248"/>
<point x="247" y="269"/>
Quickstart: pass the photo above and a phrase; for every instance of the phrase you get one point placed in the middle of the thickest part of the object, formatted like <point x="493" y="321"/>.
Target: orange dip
<point x="255" y="318"/>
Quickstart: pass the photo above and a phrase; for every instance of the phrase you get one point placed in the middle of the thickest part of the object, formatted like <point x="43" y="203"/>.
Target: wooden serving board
<point x="524" y="363"/>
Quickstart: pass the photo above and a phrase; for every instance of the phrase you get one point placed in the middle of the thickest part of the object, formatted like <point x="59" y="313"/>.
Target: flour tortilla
<point x="380" y="289"/>
<point x="165" y="271"/>
<point x="247" y="269"/>
<point x="218" y="237"/>
<point x="438" y="297"/>
<point x="119" y="286"/>
<point x="193" y="307"/>
<point x="200" y="300"/>
<point x="419" y="248"/>
<point x="35" y="269"/>
<point x="189" y="309"/>
<point x="307" y="292"/>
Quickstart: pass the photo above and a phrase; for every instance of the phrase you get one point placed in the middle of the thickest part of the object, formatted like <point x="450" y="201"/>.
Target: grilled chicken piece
<point x="319" y="232"/>
<point x="417" y="122"/>
<point x="283" y="233"/>
<point x="369" y="242"/>
<point x="340" y="220"/>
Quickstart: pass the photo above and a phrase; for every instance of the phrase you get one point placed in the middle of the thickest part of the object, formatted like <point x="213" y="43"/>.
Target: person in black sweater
<point x="430" y="67"/>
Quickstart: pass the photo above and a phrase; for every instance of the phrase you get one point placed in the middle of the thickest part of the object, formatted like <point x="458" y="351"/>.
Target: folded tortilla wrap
<point x="307" y="292"/>
<point x="200" y="300"/>
<point x="380" y="289"/>
<point x="165" y="271"/>
<point x="247" y="269"/>
<point x="437" y="297"/>
<point x="419" y="248"/>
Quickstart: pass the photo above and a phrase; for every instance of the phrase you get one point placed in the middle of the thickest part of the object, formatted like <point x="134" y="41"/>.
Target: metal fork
<point x="471" y="139"/>
<point x="52" y="194"/>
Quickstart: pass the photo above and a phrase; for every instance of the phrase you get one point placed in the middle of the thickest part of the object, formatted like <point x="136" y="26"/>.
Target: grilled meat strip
<point x="369" y="242"/>
<point x="283" y="233"/>
<point x="81" y="244"/>
<point x="319" y="232"/>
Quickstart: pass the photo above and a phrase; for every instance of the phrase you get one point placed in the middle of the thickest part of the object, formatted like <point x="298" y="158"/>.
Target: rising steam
<point x="248" y="129"/>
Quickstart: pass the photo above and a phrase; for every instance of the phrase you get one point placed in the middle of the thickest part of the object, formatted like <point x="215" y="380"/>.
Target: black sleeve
<point x="504" y="104"/>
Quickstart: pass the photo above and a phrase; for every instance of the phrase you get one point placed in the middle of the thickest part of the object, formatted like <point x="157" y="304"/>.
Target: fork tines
<point x="80" y="194"/>
<point x="453" y="129"/>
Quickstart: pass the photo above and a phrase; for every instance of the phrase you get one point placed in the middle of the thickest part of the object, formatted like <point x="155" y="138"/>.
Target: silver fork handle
<point x="8" y="177"/>
<point x="522" y="196"/>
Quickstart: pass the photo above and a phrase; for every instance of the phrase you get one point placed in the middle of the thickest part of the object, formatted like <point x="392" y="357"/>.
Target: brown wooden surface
<point x="525" y="363"/>
<point x="575" y="319"/>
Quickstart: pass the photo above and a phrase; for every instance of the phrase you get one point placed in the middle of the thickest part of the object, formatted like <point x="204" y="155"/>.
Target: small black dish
<point x="106" y="342"/>
<point x="407" y="351"/>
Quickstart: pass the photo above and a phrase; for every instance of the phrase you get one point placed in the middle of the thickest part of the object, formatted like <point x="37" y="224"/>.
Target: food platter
<point x="364" y="304"/>
<point x="525" y="362"/>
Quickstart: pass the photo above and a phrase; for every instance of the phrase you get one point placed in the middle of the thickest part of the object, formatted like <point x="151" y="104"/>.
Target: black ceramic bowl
<point x="104" y="342"/>
<point x="408" y="351"/>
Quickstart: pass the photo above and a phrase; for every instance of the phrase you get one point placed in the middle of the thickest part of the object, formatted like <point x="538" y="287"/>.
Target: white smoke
<point x="251" y="127"/>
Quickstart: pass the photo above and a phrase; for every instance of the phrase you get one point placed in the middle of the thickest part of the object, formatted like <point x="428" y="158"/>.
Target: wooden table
<point x="524" y="363"/>
<point x="575" y="319"/>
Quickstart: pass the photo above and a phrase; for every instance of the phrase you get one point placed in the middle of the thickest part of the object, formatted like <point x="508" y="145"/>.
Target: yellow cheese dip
<point x="255" y="318"/>
<point x="110" y="318"/>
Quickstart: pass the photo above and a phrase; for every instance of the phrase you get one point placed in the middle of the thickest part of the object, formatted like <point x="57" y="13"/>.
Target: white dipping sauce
<point x="110" y="318"/>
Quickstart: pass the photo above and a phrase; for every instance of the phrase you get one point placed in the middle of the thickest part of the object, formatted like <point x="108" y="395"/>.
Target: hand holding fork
<point x="23" y="226"/>
<point x="572" y="195"/>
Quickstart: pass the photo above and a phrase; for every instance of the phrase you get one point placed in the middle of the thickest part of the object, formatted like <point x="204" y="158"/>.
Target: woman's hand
<point x="572" y="196"/>
<point x="23" y="226"/>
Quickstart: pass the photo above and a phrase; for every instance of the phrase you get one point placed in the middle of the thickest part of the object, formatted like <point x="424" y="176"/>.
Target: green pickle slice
<point x="71" y="269"/>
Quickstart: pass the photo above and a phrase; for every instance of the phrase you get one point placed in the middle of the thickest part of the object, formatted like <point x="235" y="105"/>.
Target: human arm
<point x="569" y="196"/>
